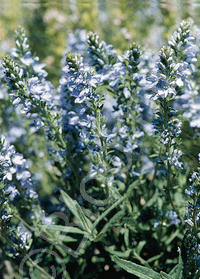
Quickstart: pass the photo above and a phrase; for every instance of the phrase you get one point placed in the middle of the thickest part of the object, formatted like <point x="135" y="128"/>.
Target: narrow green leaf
<point x="133" y="185"/>
<point x="98" y="237"/>
<point x="86" y="223"/>
<point x="66" y="229"/>
<point x="136" y="269"/>
<point x="171" y="238"/>
<point x="174" y="270"/>
<point x="66" y="238"/>
<point x="142" y="261"/>
<point x="106" y="212"/>
<point x="164" y="275"/>
<point x="75" y="208"/>
<point x="180" y="266"/>
<point x="70" y="203"/>
<point x="140" y="246"/>
<point x="113" y="220"/>
<point x="126" y="237"/>
<point x="154" y="258"/>
<point x="124" y="254"/>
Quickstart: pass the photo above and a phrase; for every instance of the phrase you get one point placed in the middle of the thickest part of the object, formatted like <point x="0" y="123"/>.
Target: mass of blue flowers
<point x="99" y="176"/>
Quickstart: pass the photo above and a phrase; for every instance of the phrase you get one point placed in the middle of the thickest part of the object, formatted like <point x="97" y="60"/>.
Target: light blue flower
<point x="173" y="217"/>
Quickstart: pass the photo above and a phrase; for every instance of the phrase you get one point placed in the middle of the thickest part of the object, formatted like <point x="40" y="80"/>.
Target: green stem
<point x="106" y="212"/>
<point x="169" y="185"/>
<point x="40" y="269"/>
<point x="25" y="223"/>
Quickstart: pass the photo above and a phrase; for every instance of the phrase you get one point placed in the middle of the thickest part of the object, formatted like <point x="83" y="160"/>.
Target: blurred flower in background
<point x="119" y="23"/>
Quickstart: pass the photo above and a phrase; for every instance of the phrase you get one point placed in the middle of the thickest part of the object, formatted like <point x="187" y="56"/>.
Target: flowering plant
<point x="94" y="174"/>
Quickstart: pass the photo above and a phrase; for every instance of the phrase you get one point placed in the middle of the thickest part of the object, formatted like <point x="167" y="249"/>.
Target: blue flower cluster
<point x="14" y="168"/>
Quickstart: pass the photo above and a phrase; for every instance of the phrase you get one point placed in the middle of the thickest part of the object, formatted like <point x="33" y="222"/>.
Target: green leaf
<point x="124" y="254"/>
<point x="113" y="220"/>
<point x="86" y="223"/>
<point x="70" y="203"/>
<point x="106" y="212"/>
<point x="105" y="89"/>
<point x="164" y="275"/>
<point x="66" y="238"/>
<point x="171" y="238"/>
<point x="66" y="229"/>
<point x="136" y="269"/>
<point x="154" y="258"/>
<point x="140" y="246"/>
<point x="142" y="261"/>
<point x="180" y="266"/>
<point x="75" y="208"/>
<point x="133" y="185"/>
<point x="176" y="272"/>
<point x="98" y="237"/>
<point x="126" y="236"/>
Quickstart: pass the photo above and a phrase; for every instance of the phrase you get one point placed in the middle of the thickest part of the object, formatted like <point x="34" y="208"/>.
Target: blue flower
<point x="173" y="217"/>
<point x="24" y="236"/>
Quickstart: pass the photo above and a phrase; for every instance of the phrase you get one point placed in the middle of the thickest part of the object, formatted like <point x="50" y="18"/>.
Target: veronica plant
<point x="190" y="244"/>
<point x="112" y="134"/>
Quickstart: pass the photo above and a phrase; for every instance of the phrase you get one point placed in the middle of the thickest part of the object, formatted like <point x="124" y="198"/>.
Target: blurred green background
<point x="118" y="22"/>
